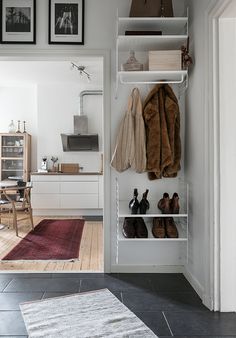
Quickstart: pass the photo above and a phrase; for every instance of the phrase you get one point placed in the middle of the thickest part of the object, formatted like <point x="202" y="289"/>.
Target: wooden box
<point x="69" y="168"/>
<point x="165" y="60"/>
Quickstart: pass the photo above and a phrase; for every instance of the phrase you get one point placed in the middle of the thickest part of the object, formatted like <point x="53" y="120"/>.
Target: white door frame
<point x="70" y="55"/>
<point x="211" y="297"/>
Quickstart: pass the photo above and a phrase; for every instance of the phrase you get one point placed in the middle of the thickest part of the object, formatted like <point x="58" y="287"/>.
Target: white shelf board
<point x="152" y="76"/>
<point x="124" y="211"/>
<point x="12" y="169"/>
<point x="174" y="25"/>
<point x="150" y="42"/>
<point x="12" y="158"/>
<point x="182" y="230"/>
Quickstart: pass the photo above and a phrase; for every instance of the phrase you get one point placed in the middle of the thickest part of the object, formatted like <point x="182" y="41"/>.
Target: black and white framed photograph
<point x="18" y="21"/>
<point x="66" y="22"/>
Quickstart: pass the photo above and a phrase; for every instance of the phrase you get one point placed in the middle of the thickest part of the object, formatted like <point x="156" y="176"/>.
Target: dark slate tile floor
<point x="165" y="302"/>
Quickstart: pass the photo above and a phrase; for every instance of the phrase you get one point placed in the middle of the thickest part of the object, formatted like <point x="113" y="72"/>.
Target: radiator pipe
<point x="87" y="92"/>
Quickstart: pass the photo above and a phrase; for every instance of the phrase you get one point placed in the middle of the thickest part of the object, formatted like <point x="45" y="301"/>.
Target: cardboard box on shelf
<point x="69" y="168"/>
<point x="159" y="60"/>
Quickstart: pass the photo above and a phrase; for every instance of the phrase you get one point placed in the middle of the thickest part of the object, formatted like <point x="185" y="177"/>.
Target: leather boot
<point x="174" y="204"/>
<point x="134" y="203"/>
<point x="144" y="204"/>
<point x="141" y="229"/>
<point x="129" y="227"/>
<point x="158" y="228"/>
<point x="164" y="204"/>
<point x="171" y="229"/>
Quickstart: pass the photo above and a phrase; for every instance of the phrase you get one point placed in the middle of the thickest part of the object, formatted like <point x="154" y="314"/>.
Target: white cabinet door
<point x="74" y="201"/>
<point x="45" y="201"/>
<point x="45" y="178"/>
<point x="101" y="193"/>
<point x="79" y="178"/>
<point x="46" y="188"/>
<point x="79" y="187"/>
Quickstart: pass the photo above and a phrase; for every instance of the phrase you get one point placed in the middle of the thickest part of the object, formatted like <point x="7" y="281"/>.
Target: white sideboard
<point x="61" y="194"/>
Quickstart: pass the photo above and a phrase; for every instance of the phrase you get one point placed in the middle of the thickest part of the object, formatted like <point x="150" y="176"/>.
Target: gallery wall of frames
<point x="65" y="22"/>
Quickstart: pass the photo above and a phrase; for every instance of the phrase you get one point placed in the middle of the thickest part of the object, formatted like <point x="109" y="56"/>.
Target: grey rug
<point x="84" y="315"/>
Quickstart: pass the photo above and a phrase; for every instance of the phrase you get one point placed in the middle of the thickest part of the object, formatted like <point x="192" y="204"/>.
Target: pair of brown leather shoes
<point x="169" y="205"/>
<point x="134" y="227"/>
<point x="164" y="227"/>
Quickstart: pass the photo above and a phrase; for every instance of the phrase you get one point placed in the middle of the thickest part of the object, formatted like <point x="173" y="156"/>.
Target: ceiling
<point x="45" y="72"/>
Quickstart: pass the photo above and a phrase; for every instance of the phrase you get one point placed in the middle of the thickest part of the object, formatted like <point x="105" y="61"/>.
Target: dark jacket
<point x="162" y="120"/>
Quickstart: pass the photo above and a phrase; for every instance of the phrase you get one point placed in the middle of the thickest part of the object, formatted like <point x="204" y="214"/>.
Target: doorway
<point x="219" y="104"/>
<point x="93" y="254"/>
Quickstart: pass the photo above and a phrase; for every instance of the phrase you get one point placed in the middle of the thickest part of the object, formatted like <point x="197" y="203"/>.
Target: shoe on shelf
<point x="141" y="229"/>
<point x="144" y="204"/>
<point x="134" y="203"/>
<point x="174" y="204"/>
<point x="158" y="228"/>
<point x="164" y="204"/>
<point x="171" y="229"/>
<point x="129" y="227"/>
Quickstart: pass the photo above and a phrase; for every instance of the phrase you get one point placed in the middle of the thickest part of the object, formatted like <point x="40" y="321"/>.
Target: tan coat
<point x="162" y="119"/>
<point x="130" y="149"/>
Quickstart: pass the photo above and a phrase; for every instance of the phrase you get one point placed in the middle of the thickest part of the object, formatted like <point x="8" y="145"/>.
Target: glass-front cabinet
<point x="15" y="156"/>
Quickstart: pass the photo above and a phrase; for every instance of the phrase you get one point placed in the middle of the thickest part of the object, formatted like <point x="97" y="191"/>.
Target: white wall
<point x="195" y="151"/>
<point x="20" y="103"/>
<point x="197" y="163"/>
<point x="227" y="48"/>
<point x="194" y="156"/>
<point x="100" y="33"/>
<point x="57" y="104"/>
<point x="99" y="24"/>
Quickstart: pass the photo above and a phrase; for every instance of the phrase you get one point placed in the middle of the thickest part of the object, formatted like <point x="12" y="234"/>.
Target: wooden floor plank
<point x="90" y="255"/>
<point x="85" y="263"/>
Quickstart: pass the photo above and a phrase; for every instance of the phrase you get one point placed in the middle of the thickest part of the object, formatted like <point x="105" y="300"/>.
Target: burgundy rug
<point x="51" y="239"/>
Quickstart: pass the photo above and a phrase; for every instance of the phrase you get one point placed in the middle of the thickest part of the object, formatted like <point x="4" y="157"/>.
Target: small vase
<point x="12" y="127"/>
<point x="132" y="63"/>
<point x="18" y="127"/>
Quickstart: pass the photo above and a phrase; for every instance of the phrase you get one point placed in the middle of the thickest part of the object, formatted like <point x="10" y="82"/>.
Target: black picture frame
<point x="66" y="22"/>
<point x="18" y="21"/>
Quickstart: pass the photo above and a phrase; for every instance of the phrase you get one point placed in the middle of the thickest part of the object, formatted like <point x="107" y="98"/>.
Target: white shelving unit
<point x="181" y="221"/>
<point x="152" y="212"/>
<point x="174" y="35"/>
<point x="147" y="77"/>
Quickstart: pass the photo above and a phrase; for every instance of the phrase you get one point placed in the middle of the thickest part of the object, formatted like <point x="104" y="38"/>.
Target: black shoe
<point x="134" y="203"/>
<point x="129" y="227"/>
<point x="144" y="204"/>
<point x="141" y="229"/>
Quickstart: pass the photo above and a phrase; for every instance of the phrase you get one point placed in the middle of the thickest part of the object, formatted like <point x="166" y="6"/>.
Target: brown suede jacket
<point x="162" y="120"/>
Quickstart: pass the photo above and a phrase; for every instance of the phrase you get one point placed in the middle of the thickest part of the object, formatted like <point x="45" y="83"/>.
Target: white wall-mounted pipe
<point x="87" y="92"/>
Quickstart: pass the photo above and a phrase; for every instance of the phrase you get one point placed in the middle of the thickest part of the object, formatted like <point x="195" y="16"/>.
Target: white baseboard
<point x="208" y="302"/>
<point x="206" y="299"/>
<point x="67" y="212"/>
<point x="147" y="268"/>
<point x="194" y="282"/>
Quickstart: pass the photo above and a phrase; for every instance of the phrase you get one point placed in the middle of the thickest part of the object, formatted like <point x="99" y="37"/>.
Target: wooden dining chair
<point x="5" y="208"/>
<point x="20" y="205"/>
<point x="23" y="205"/>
